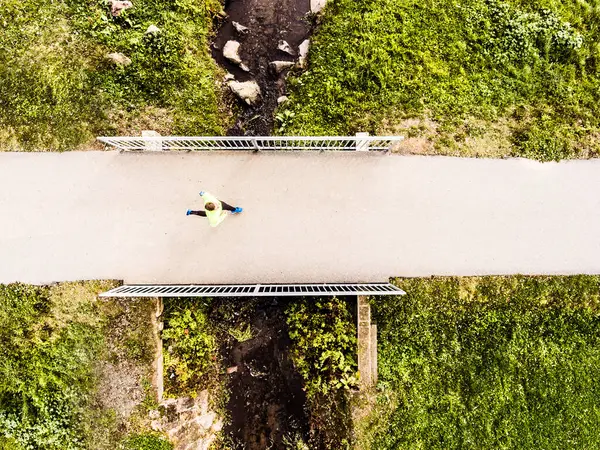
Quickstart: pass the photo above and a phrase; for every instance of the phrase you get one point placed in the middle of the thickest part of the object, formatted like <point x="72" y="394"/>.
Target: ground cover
<point x="237" y="349"/>
<point x="468" y="77"/>
<point x="58" y="91"/>
<point x="279" y="370"/>
<point x="75" y="372"/>
<point x="323" y="350"/>
<point x="492" y="362"/>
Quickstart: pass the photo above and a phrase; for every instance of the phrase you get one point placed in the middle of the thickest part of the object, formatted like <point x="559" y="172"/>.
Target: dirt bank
<point x="268" y="23"/>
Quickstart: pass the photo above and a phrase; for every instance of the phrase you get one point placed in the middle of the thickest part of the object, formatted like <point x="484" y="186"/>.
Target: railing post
<point x="362" y="145"/>
<point x="256" y="147"/>
<point x="152" y="145"/>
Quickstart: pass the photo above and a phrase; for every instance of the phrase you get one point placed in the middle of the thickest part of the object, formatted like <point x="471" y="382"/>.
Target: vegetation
<point x="146" y="441"/>
<point x="191" y="348"/>
<point x="54" y="342"/>
<point x="323" y="347"/>
<point x="58" y="90"/>
<point x="480" y="76"/>
<point x="324" y="344"/>
<point x="493" y="362"/>
<point x="46" y="370"/>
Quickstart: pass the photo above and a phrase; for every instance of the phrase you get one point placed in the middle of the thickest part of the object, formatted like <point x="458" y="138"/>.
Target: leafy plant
<point x="241" y="334"/>
<point x="324" y="344"/>
<point x="284" y="119"/>
<point x="189" y="342"/>
<point x="46" y="371"/>
<point x="323" y="347"/>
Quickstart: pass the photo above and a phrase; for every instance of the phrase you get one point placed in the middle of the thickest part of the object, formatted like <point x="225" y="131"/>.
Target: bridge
<point x="309" y="217"/>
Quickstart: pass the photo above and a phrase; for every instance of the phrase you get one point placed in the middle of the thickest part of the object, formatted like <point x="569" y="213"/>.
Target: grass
<point x="56" y="342"/>
<point x="58" y="91"/>
<point x="466" y="77"/>
<point x="488" y="363"/>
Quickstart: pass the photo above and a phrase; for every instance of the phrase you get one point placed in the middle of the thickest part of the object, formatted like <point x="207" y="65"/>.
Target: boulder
<point x="244" y="67"/>
<point x="184" y="404"/>
<point x="206" y="420"/>
<point x="280" y="66"/>
<point x="249" y="91"/>
<point x="241" y="29"/>
<point x="317" y="5"/>
<point x="152" y="29"/>
<point x="229" y="76"/>
<point x="231" y="52"/>
<point x="217" y="426"/>
<point x="303" y="50"/>
<point x="282" y="99"/>
<point x="118" y="59"/>
<point x="286" y="48"/>
<point x="116" y="6"/>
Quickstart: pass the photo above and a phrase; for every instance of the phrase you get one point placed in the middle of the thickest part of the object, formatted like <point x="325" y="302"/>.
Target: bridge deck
<point x="308" y="217"/>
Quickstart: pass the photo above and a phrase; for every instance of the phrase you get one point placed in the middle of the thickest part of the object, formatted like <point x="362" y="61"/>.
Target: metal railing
<point x="256" y="143"/>
<point x="253" y="290"/>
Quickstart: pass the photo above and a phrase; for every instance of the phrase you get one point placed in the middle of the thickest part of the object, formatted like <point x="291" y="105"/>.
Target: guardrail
<point x="253" y="290"/>
<point x="256" y="143"/>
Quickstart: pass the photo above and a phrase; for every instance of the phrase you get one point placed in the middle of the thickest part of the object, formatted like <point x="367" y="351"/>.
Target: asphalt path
<point x="308" y="217"/>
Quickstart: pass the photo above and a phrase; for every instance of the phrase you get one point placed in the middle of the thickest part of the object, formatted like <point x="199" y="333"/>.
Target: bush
<point x="189" y="343"/>
<point x="323" y="344"/>
<point x="323" y="347"/>
<point x="46" y="370"/>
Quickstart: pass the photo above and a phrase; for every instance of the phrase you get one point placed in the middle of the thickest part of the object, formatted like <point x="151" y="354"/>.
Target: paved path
<point x="308" y="217"/>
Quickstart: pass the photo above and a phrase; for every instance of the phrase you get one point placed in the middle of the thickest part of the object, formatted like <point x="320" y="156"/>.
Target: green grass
<point x="58" y="92"/>
<point x="481" y="76"/>
<point x="488" y="363"/>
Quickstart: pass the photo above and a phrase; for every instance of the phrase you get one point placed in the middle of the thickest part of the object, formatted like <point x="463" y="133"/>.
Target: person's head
<point x="210" y="206"/>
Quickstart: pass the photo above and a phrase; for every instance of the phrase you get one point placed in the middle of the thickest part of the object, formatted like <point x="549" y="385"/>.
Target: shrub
<point x="323" y="344"/>
<point x="46" y="370"/>
<point x="189" y="342"/>
<point x="323" y="347"/>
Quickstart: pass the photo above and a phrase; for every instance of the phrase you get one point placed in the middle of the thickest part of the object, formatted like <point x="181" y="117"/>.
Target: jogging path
<point x="308" y="217"/>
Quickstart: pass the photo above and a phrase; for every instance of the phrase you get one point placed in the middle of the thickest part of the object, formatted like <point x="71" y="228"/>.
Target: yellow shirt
<point x="216" y="216"/>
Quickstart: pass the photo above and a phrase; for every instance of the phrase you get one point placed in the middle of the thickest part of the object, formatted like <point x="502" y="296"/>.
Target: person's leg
<point x="197" y="213"/>
<point x="226" y="206"/>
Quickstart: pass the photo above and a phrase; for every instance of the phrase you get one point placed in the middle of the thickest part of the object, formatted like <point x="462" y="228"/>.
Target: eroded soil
<point x="268" y="23"/>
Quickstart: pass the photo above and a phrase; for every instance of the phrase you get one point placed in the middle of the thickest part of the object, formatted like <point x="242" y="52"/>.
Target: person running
<point x="215" y="210"/>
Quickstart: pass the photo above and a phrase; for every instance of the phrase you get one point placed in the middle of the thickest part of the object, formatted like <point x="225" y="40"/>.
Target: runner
<point x="215" y="210"/>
